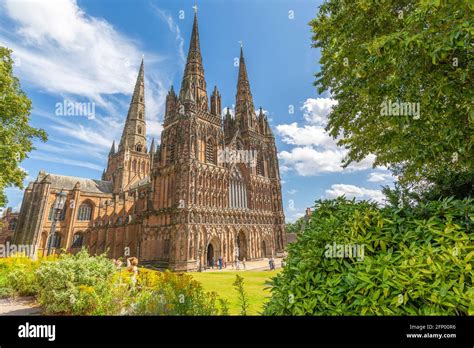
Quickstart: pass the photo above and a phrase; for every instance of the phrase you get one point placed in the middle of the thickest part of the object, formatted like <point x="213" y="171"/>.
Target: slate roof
<point x="68" y="183"/>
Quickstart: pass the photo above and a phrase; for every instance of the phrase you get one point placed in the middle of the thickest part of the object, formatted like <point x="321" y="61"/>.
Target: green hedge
<point x="417" y="261"/>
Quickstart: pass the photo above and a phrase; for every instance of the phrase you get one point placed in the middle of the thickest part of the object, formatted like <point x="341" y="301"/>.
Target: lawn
<point x="254" y="285"/>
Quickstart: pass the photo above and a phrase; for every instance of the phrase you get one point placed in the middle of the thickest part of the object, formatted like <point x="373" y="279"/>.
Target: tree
<point x="296" y="226"/>
<point x="16" y="134"/>
<point x="376" y="55"/>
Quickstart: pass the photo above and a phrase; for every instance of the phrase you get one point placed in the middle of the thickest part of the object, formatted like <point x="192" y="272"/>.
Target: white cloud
<point x="71" y="55"/>
<point x="174" y="28"/>
<point x="315" y="150"/>
<point x="380" y="177"/>
<point x="308" y="161"/>
<point x="292" y="218"/>
<point x="316" y="111"/>
<point x="352" y="191"/>
<point x="63" y="50"/>
<point x="292" y="192"/>
<point x="62" y="160"/>
<point x="303" y="136"/>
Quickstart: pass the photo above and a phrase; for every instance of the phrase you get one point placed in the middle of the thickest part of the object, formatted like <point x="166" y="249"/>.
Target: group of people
<point x="221" y="263"/>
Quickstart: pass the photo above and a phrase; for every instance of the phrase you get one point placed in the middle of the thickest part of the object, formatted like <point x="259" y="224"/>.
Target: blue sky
<point x="90" y="51"/>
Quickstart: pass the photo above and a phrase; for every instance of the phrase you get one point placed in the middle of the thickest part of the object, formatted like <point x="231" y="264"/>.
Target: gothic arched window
<point x="56" y="240"/>
<point x="12" y="224"/>
<point x="170" y="155"/>
<point x="260" y="166"/>
<point x="140" y="115"/>
<point x="85" y="212"/>
<point x="237" y="190"/>
<point x="139" y="130"/>
<point x="77" y="240"/>
<point x="210" y="152"/>
<point x="139" y="147"/>
<point x="134" y="165"/>
<point x="62" y="215"/>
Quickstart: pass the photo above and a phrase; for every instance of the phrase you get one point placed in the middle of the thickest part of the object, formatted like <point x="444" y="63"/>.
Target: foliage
<point x="22" y="280"/>
<point x="17" y="275"/>
<point x="16" y="134"/>
<point x="408" y="51"/>
<point x="243" y="298"/>
<point x="74" y="284"/>
<point x="296" y="226"/>
<point x="168" y="293"/>
<point x="417" y="261"/>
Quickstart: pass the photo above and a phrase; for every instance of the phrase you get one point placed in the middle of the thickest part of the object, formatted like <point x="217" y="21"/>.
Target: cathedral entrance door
<point x="210" y="254"/>
<point x="242" y="245"/>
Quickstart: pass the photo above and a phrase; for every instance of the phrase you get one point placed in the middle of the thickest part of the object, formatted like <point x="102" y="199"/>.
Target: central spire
<point x="244" y="108"/>
<point x="193" y="86"/>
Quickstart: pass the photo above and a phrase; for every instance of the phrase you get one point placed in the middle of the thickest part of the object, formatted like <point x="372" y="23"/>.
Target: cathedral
<point x="210" y="189"/>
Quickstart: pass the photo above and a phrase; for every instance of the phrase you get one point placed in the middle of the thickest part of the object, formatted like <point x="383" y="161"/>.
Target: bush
<point x="167" y="293"/>
<point x="417" y="261"/>
<point x="22" y="281"/>
<point x="75" y="284"/>
<point x="17" y="276"/>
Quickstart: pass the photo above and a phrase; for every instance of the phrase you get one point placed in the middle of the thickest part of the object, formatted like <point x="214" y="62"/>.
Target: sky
<point x="69" y="51"/>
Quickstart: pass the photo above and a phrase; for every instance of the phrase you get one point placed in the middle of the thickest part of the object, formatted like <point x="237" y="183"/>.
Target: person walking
<point x="244" y="264"/>
<point x="220" y="262"/>
<point x="132" y="267"/>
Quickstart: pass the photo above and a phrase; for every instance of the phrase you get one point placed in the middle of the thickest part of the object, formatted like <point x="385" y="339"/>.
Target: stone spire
<point x="134" y="131"/>
<point x="244" y="108"/>
<point x="112" y="149"/>
<point x="193" y="86"/>
<point x="152" y="146"/>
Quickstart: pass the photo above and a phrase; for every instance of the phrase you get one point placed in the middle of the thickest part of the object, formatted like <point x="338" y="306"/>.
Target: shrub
<point x="417" y="261"/>
<point x="22" y="281"/>
<point x="167" y="293"/>
<point x="75" y="284"/>
<point x="17" y="276"/>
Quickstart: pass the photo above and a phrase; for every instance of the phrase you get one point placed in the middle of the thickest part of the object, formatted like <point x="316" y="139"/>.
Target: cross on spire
<point x="195" y="7"/>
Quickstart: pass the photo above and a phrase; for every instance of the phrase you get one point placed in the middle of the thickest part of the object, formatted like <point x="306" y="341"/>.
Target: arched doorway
<point x="242" y="246"/>
<point x="264" y="249"/>
<point x="210" y="255"/>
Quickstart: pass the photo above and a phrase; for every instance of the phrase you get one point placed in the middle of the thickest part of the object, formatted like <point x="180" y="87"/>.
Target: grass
<point x="254" y="285"/>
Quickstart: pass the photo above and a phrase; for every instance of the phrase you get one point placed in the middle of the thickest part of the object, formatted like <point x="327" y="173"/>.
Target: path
<point x="19" y="306"/>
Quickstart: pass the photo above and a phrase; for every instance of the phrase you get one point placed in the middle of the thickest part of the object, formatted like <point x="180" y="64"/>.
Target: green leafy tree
<point x="295" y="227"/>
<point x="16" y="134"/>
<point x="404" y="51"/>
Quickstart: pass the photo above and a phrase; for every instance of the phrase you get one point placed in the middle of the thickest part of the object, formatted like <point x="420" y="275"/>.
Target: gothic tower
<point x="130" y="162"/>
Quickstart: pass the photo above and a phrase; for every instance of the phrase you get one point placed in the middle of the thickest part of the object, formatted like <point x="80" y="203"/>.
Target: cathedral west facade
<point x="210" y="189"/>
